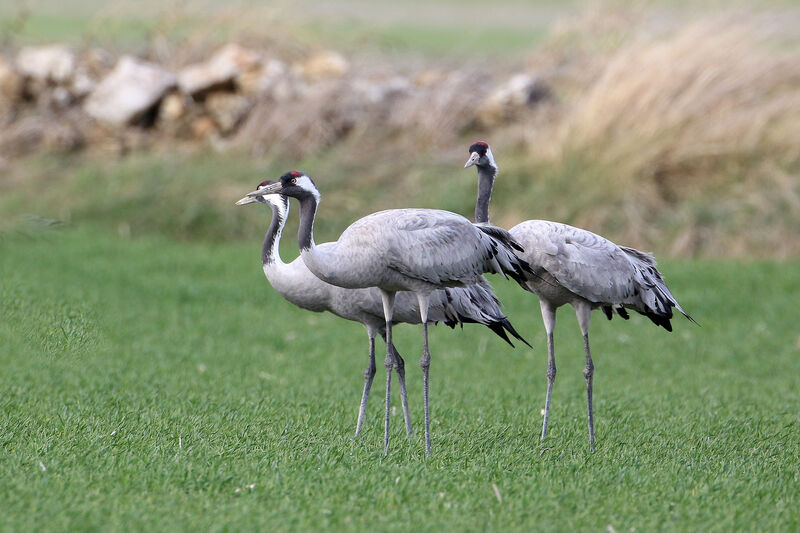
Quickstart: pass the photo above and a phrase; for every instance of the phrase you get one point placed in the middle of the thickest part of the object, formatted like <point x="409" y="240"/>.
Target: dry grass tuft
<point x="714" y="93"/>
<point x="681" y="136"/>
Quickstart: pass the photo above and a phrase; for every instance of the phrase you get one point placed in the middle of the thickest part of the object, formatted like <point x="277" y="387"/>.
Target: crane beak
<point x="273" y="188"/>
<point x="473" y="159"/>
<point x="246" y="200"/>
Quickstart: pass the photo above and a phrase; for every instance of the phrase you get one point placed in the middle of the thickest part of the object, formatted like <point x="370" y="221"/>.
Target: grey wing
<point x="583" y="262"/>
<point x="436" y="247"/>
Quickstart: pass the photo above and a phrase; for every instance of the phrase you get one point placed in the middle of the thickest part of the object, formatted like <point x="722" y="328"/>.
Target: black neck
<point x="486" y="177"/>
<point x="272" y="238"/>
<point x="305" y="232"/>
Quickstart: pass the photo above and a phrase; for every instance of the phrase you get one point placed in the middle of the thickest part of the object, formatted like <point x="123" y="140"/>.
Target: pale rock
<point x="223" y="68"/>
<point x="270" y="74"/>
<point x="131" y="89"/>
<point x="428" y="78"/>
<point x="61" y="97"/>
<point x="519" y="91"/>
<point x="203" y="127"/>
<point x="173" y="107"/>
<point x="54" y="63"/>
<point x="98" y="62"/>
<point x="376" y="92"/>
<point x="326" y="64"/>
<point x="10" y="86"/>
<point x="82" y="84"/>
<point x="228" y="109"/>
<point x="285" y="89"/>
<point x="176" y="114"/>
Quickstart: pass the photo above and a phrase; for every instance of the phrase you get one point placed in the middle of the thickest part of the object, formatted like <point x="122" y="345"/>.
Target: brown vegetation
<point x="688" y="137"/>
<point x="709" y="114"/>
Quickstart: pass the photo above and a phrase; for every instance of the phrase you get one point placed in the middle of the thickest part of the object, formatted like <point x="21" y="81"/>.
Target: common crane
<point x="295" y="282"/>
<point x="575" y="266"/>
<point x="417" y="250"/>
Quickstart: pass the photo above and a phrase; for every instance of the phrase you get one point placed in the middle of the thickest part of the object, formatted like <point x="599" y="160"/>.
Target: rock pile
<point x="54" y="98"/>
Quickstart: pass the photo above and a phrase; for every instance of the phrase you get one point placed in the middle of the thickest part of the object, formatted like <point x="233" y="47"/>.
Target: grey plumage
<point x="295" y="282"/>
<point x="418" y="250"/>
<point x="414" y="249"/>
<point x="573" y="266"/>
<point x="591" y="267"/>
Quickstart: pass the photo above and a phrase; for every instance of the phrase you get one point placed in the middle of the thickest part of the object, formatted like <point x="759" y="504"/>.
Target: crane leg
<point x="425" y="364"/>
<point x="400" y="367"/>
<point x="584" y="313"/>
<point x="549" y="318"/>
<point x="388" y="309"/>
<point x="369" y="374"/>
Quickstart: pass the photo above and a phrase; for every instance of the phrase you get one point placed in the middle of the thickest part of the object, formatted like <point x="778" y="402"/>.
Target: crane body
<point x="569" y="265"/>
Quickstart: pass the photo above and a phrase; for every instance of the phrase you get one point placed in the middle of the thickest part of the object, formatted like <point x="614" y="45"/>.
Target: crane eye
<point x="294" y="180"/>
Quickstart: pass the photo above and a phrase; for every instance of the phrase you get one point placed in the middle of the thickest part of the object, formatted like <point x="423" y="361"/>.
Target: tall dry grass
<point x="715" y="92"/>
<point x="690" y="136"/>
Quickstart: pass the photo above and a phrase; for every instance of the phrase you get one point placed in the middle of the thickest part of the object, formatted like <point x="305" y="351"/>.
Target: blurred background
<point x="666" y="125"/>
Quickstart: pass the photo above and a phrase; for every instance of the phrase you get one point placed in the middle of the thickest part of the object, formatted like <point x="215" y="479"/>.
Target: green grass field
<point x="153" y="381"/>
<point x="149" y="384"/>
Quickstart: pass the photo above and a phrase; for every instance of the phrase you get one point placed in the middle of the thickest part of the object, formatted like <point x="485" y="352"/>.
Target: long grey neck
<point x="486" y="176"/>
<point x="270" y="250"/>
<point x="305" y="232"/>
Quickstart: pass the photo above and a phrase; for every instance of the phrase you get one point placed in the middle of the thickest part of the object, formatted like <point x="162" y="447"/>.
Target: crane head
<point x="295" y="184"/>
<point x="481" y="155"/>
<point x="274" y="200"/>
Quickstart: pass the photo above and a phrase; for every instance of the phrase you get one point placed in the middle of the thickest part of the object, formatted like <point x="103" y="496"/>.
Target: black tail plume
<point x="500" y="332"/>
<point x="510" y="328"/>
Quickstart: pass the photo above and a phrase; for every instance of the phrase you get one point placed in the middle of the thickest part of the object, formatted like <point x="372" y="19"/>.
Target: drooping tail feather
<point x="500" y="332"/>
<point x="506" y="324"/>
<point x="500" y="234"/>
<point x="504" y="248"/>
<point x="478" y="304"/>
<point x="609" y="312"/>
<point x="656" y="299"/>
